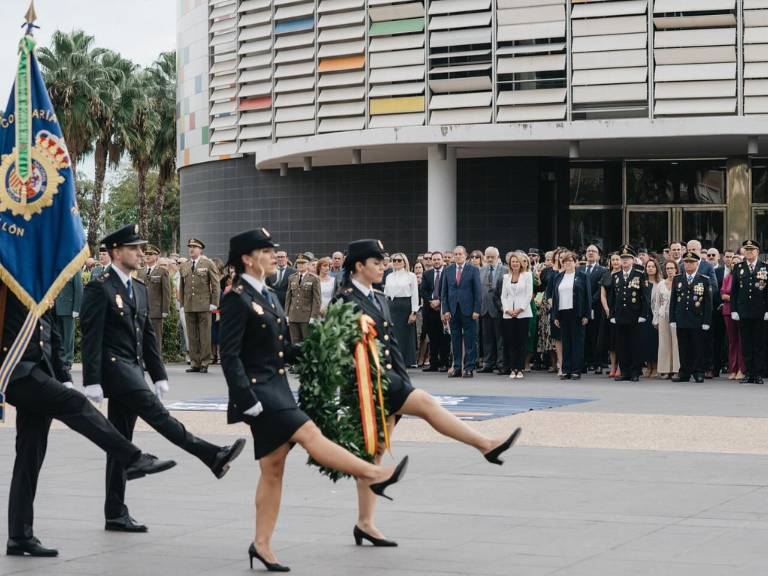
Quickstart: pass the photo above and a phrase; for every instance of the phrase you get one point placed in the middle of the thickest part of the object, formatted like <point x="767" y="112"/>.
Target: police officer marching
<point x="628" y="309"/>
<point x="118" y="340"/>
<point x="158" y="283"/>
<point x="749" y="307"/>
<point x="199" y="291"/>
<point x="690" y="312"/>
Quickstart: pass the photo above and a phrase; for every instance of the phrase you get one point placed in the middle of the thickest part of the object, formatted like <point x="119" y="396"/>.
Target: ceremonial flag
<point x="42" y="241"/>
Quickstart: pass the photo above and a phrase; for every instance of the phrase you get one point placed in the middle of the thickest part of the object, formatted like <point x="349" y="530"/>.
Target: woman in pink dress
<point x="736" y="367"/>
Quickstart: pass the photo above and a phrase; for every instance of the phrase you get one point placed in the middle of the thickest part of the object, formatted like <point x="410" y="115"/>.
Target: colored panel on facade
<point x="256" y="103"/>
<point x="345" y="63"/>
<point x="407" y="26"/>
<point x="204" y="130"/>
<point x="294" y="25"/>
<point x="397" y="105"/>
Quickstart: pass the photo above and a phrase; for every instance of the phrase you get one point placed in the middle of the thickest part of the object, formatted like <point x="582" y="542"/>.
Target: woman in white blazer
<point x="516" y="295"/>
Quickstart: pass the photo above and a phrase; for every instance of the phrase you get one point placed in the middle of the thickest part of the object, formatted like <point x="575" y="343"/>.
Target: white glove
<point x="161" y="388"/>
<point x="67" y="384"/>
<point x="705" y="327"/>
<point x="213" y="307"/>
<point x="165" y="314"/>
<point x="94" y="393"/>
<point x="75" y="314"/>
<point x="766" y="316"/>
<point x="613" y="320"/>
<point x="254" y="410"/>
<point x="673" y="325"/>
<point x="640" y="320"/>
<point x="735" y="316"/>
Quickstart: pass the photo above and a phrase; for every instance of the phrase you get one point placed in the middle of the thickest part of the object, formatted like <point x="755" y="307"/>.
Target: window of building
<point x="595" y="184"/>
<point x="689" y="182"/>
<point x="599" y="227"/>
<point x="760" y="182"/>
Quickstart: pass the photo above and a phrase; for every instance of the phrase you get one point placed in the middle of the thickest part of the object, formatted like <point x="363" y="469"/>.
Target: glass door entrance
<point x="649" y="229"/>
<point x="655" y="228"/>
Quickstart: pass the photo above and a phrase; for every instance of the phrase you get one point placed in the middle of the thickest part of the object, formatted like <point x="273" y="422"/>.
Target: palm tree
<point x="118" y="96"/>
<point x="138" y="137"/>
<point x="163" y="74"/>
<point x="74" y="78"/>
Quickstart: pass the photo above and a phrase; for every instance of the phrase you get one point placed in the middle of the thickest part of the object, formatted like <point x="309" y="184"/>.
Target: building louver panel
<point x="756" y="56"/>
<point x="695" y="53"/>
<point x="222" y="77"/>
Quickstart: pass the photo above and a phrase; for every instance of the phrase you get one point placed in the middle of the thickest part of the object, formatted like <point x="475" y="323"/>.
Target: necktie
<point x="129" y="287"/>
<point x="436" y="290"/>
<point x="280" y="275"/>
<point x="690" y="279"/>
<point x="267" y="297"/>
<point x="194" y="265"/>
<point x="372" y="298"/>
<point x="590" y="269"/>
<point x="458" y="274"/>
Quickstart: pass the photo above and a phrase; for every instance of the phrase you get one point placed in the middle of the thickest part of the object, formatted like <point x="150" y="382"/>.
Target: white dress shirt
<point x="326" y="291"/>
<point x="517" y="295"/>
<point x="253" y="281"/>
<point x="403" y="284"/>
<point x="565" y="291"/>
<point x="122" y="275"/>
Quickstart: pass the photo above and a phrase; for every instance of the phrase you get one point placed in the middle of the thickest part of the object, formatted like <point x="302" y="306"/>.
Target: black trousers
<point x="122" y="412"/>
<point x="628" y="349"/>
<point x="689" y="344"/>
<point x="752" y="337"/>
<point x="515" y="342"/>
<point x="38" y="399"/>
<point x="719" y="343"/>
<point x="573" y="334"/>
<point x="594" y="357"/>
<point x="439" y="341"/>
<point x="492" y="336"/>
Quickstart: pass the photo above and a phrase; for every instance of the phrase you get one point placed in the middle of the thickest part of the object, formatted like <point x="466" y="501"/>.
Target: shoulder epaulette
<point x="139" y="280"/>
<point x="238" y="289"/>
<point x="349" y="290"/>
<point x="375" y="291"/>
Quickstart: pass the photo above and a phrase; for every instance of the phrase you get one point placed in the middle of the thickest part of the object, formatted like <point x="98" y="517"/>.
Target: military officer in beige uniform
<point x="158" y="284"/>
<point x="302" y="299"/>
<point x="199" y="291"/>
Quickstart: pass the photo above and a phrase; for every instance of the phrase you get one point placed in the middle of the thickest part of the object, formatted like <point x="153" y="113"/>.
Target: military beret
<point x="626" y="251"/>
<point x="750" y="244"/>
<point x="249" y="241"/>
<point x="691" y="256"/>
<point x="151" y="250"/>
<point x="125" y="236"/>
<point x="196" y="243"/>
<point x="361" y="250"/>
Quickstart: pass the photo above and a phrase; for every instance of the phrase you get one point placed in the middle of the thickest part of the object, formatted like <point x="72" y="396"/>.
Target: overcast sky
<point x="137" y="29"/>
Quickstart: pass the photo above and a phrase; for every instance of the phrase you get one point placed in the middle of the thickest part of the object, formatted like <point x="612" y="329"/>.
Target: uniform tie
<point x="129" y="287"/>
<point x="372" y="298"/>
<point x="194" y="265"/>
<point x="267" y="297"/>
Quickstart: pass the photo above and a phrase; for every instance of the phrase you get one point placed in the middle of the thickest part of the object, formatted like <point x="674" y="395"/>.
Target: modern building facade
<point x="516" y="123"/>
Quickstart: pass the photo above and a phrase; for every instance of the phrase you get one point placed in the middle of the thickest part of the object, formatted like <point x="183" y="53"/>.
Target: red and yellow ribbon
<point x="367" y="344"/>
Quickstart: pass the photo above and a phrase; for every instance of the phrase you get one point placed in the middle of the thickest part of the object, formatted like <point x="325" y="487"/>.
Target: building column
<point x="739" y="215"/>
<point x="441" y="197"/>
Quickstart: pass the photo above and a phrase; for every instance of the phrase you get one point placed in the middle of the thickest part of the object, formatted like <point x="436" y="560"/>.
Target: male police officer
<point x="118" y="340"/>
<point x="40" y="388"/>
<point x="628" y="309"/>
<point x="199" y="291"/>
<point x="158" y="283"/>
<point x="690" y="312"/>
<point x="749" y="307"/>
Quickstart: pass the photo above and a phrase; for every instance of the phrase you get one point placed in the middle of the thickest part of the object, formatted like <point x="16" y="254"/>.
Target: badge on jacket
<point x="258" y="309"/>
<point x="119" y="301"/>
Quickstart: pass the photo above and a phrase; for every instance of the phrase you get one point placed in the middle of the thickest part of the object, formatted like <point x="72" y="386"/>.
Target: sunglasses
<point x="397" y="259"/>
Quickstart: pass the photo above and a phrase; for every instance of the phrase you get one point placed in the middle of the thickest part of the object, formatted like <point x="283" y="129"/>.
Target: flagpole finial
<point x="30" y="17"/>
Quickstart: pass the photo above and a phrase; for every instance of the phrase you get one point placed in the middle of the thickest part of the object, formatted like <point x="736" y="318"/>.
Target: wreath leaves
<point x="328" y="390"/>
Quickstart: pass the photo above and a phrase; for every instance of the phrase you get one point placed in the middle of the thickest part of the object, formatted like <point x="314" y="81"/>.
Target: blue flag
<point x="42" y="241"/>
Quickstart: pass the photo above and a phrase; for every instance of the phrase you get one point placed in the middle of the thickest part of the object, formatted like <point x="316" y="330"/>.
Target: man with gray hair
<point x="708" y="270"/>
<point x="490" y="312"/>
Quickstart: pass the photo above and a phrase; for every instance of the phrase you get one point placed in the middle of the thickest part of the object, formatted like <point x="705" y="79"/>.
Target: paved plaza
<point x="653" y="478"/>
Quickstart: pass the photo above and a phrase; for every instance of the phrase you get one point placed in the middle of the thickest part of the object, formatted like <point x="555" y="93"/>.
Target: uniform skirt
<point x="271" y="430"/>
<point x="405" y="333"/>
<point x="398" y="391"/>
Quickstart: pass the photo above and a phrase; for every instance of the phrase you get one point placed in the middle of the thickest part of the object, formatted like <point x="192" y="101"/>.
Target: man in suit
<point x="158" y="283"/>
<point x="118" y="341"/>
<point x="67" y="311"/>
<point x="302" y="299"/>
<point x="439" y="340"/>
<point x="103" y="264"/>
<point x="628" y="309"/>
<point x="279" y="281"/>
<point x="749" y="307"/>
<point x="690" y="314"/>
<point x="461" y="299"/>
<point x="40" y="388"/>
<point x="199" y="292"/>
<point x="594" y="358"/>
<point x="490" y="312"/>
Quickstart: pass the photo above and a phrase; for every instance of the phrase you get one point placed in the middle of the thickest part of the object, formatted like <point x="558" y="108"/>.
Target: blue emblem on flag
<point x="42" y="241"/>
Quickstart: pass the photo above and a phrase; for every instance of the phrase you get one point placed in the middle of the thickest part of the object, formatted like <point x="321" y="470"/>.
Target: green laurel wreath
<point x="328" y="390"/>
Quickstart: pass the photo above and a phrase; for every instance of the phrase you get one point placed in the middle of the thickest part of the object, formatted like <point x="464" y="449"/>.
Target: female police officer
<point x="255" y="347"/>
<point x="363" y="268"/>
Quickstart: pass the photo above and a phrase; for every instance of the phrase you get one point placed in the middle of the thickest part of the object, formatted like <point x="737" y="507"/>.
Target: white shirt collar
<point x="364" y="289"/>
<point x="258" y="285"/>
<point x="122" y="275"/>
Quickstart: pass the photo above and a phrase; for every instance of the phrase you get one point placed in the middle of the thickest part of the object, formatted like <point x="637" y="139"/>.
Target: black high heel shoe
<point x="361" y="535"/>
<point x="493" y="455"/>
<point x="379" y="487"/>
<point x="271" y="567"/>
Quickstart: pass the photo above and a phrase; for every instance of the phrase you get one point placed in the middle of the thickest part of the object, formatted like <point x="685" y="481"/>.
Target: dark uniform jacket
<point x="690" y="305"/>
<point x="158" y="285"/>
<point x="626" y="299"/>
<point x="118" y="338"/>
<point x="749" y="291"/>
<point x="255" y="346"/>
<point x="44" y="346"/>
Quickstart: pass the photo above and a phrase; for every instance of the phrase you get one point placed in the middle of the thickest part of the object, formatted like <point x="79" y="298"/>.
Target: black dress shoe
<point x="443" y="369"/>
<point x="124" y="524"/>
<point x="678" y="378"/>
<point x="493" y="455"/>
<point x="635" y="378"/>
<point x="361" y="535"/>
<point x="203" y="370"/>
<point x="380" y="487"/>
<point x="225" y="457"/>
<point x="565" y="376"/>
<point x="758" y="380"/>
<point x="698" y="378"/>
<point x="193" y="369"/>
<point x="503" y="372"/>
<point x="599" y="370"/>
<point x="468" y="374"/>
<point x="29" y="547"/>
<point x="455" y="374"/>
<point x="270" y="566"/>
<point x="430" y="369"/>
<point x="575" y="376"/>
<point x="746" y="380"/>
<point x="485" y="370"/>
<point x="148" y="464"/>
